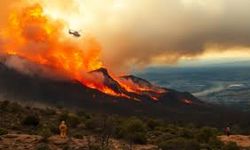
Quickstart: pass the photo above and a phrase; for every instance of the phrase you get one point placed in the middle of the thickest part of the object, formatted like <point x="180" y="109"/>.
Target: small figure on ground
<point x="227" y="131"/>
<point x="63" y="129"/>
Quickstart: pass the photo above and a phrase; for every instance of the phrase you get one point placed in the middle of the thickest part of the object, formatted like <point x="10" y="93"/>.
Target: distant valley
<point x="227" y="85"/>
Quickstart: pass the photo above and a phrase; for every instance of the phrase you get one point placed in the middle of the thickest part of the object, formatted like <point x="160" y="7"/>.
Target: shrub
<point x="31" y="120"/>
<point x="78" y="136"/>
<point x="179" y="144"/>
<point x="49" y="112"/>
<point x="64" y="116"/>
<point x="71" y="120"/>
<point x="45" y="132"/>
<point x="4" y="106"/>
<point x="138" y="138"/>
<point x="83" y="114"/>
<point x="93" y="123"/>
<point x="152" y="124"/>
<point x="231" y="146"/>
<point x="3" y="131"/>
<point x="54" y="129"/>
<point x="66" y="147"/>
<point x="186" y="133"/>
<point x="42" y="146"/>
<point x="134" y="130"/>
<point x="214" y="143"/>
<point x="15" y="108"/>
<point x="205" y="134"/>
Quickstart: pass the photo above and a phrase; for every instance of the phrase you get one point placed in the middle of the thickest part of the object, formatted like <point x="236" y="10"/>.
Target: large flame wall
<point x="34" y="36"/>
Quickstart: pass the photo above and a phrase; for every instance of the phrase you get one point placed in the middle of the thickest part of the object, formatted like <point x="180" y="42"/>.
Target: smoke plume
<point x="142" y="32"/>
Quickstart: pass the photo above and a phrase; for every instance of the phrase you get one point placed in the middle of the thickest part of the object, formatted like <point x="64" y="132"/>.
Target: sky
<point x="141" y="33"/>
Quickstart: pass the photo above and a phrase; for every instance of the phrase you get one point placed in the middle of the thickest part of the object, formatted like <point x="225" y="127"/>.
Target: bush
<point x="66" y="147"/>
<point x="179" y="144"/>
<point x="31" y="120"/>
<point x="78" y="136"/>
<point x="71" y="120"/>
<point x="205" y="134"/>
<point x="54" y="129"/>
<point x="83" y="114"/>
<point x="49" y="112"/>
<point x="134" y="130"/>
<point x="94" y="147"/>
<point x="92" y="124"/>
<point x="4" y="106"/>
<point x="185" y="133"/>
<point x="138" y="138"/>
<point x="64" y="116"/>
<point x="214" y="143"/>
<point x="152" y="124"/>
<point x="42" y="146"/>
<point x="15" y="108"/>
<point x="45" y="132"/>
<point x="231" y="146"/>
<point x="3" y="131"/>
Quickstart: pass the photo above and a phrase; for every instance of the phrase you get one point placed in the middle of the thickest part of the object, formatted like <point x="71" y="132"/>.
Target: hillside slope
<point x="172" y="105"/>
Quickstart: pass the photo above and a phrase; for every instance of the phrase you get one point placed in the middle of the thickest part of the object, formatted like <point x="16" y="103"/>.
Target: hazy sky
<point x="138" y="33"/>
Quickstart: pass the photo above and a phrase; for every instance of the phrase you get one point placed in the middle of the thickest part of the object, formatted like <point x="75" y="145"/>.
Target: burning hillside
<point x="37" y="39"/>
<point x="37" y="88"/>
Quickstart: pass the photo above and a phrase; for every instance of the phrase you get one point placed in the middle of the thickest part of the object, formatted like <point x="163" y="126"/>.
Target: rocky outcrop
<point x="19" y="141"/>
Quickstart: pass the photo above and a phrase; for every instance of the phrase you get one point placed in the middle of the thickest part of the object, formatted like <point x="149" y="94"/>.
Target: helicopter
<point x="74" y="33"/>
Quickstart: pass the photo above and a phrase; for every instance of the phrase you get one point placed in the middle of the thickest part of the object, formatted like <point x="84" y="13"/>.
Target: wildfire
<point x="32" y="35"/>
<point x="154" y="92"/>
<point x="37" y="38"/>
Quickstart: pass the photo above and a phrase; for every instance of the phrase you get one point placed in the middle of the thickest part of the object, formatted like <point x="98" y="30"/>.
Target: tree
<point x="134" y="131"/>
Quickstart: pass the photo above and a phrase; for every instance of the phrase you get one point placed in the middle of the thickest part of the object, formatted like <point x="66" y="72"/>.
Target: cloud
<point x="171" y="30"/>
<point x="138" y="33"/>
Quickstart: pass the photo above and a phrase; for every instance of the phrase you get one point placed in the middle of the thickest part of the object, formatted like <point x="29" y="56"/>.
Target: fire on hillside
<point x="39" y="39"/>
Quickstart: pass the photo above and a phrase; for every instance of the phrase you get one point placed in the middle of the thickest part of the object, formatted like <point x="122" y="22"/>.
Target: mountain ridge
<point x="171" y="105"/>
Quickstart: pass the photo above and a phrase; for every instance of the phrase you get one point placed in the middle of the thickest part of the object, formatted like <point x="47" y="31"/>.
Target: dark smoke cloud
<point x="144" y="30"/>
<point x="137" y="33"/>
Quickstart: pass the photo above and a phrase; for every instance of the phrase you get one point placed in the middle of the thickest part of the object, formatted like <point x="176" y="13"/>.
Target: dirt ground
<point x="31" y="142"/>
<point x="240" y="140"/>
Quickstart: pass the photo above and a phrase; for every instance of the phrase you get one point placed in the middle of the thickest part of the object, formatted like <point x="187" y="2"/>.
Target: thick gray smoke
<point x="139" y="33"/>
<point x="170" y="30"/>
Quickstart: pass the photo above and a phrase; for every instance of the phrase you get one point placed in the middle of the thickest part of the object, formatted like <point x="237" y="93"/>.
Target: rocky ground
<point x="241" y="140"/>
<point x="35" y="142"/>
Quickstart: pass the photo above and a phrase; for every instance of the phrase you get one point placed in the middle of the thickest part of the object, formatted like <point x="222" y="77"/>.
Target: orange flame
<point x="153" y="92"/>
<point x="40" y="39"/>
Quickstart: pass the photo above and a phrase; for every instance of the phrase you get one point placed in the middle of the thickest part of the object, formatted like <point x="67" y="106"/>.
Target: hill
<point x="172" y="105"/>
<point x="37" y="129"/>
